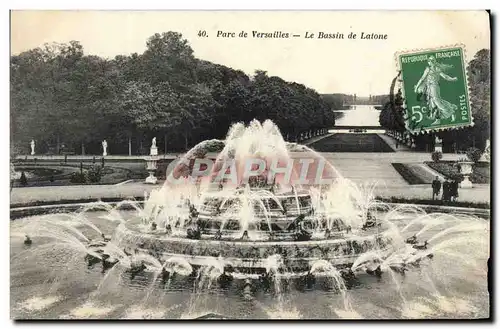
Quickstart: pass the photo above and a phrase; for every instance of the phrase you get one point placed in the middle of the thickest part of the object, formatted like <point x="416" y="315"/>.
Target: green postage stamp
<point x="435" y="89"/>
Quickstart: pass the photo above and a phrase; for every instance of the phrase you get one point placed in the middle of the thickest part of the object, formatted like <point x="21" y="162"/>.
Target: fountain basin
<point x="77" y="279"/>
<point x="251" y="255"/>
<point x="26" y="211"/>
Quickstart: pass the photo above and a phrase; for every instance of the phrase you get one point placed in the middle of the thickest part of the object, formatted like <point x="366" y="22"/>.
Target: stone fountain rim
<point x="27" y="210"/>
<point x="161" y="244"/>
<point x="164" y="238"/>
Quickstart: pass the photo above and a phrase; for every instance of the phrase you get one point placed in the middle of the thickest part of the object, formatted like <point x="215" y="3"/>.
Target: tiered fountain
<point x="255" y="224"/>
<point x="241" y="223"/>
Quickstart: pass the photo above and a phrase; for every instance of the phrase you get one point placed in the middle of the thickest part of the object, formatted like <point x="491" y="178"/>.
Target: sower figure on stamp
<point x="428" y="85"/>
<point x="436" y="188"/>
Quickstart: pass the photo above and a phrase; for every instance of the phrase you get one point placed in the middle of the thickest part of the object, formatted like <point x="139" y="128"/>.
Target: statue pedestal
<point x="151" y="179"/>
<point x="153" y="151"/>
<point x="438" y="145"/>
<point x="466" y="183"/>
<point x="484" y="158"/>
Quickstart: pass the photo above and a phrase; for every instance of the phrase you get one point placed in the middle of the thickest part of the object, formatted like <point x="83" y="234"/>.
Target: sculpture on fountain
<point x="300" y="224"/>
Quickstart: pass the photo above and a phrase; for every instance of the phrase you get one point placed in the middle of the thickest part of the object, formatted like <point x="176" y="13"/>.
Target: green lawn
<point x="351" y="143"/>
<point x="413" y="173"/>
<point x="59" y="174"/>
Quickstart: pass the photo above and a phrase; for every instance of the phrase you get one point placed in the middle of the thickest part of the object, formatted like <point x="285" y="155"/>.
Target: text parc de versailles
<point x="307" y="35"/>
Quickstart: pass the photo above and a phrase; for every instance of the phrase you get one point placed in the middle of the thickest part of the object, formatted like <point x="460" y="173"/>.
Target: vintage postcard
<point x="250" y="165"/>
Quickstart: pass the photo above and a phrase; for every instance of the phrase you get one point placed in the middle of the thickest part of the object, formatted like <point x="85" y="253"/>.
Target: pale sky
<point x="356" y="66"/>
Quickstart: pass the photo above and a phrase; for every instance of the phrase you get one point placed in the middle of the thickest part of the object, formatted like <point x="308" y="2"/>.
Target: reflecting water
<point x="359" y="115"/>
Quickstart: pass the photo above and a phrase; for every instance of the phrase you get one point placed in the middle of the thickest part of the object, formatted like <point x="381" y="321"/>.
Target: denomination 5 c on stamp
<point x="435" y="89"/>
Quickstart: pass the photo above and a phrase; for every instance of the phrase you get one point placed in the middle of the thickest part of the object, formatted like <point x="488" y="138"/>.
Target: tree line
<point x="66" y="100"/>
<point x="479" y="78"/>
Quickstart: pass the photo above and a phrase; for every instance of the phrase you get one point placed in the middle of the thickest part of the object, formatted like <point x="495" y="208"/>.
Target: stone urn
<point x="152" y="163"/>
<point x="151" y="166"/>
<point x="465" y="168"/>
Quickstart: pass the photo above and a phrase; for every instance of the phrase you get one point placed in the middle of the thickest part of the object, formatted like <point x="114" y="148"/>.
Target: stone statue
<point x="487" y="152"/>
<point x="438" y="145"/>
<point x="104" y="148"/>
<point x="32" y="147"/>
<point x="154" y="149"/>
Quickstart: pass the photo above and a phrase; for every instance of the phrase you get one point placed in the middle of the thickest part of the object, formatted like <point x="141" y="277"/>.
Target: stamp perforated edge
<point x="466" y="77"/>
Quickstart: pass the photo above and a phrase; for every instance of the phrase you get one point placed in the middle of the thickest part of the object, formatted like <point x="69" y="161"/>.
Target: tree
<point x="169" y="58"/>
<point x="335" y="101"/>
<point x="195" y="111"/>
<point x="43" y="93"/>
<point x="144" y="109"/>
<point x="391" y="116"/>
<point x="474" y="154"/>
<point x="59" y="94"/>
<point x="479" y="70"/>
<point x="479" y="78"/>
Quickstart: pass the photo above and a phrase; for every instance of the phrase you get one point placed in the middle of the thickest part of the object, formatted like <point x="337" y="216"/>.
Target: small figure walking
<point x="23" y="179"/>
<point x="454" y="190"/>
<point x="436" y="188"/>
<point x="27" y="240"/>
<point x="446" y="190"/>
